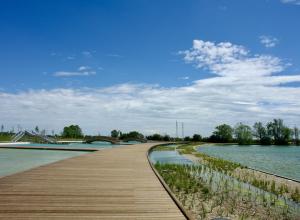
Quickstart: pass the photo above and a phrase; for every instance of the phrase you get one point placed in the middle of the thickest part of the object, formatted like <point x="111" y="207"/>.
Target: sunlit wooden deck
<point x="115" y="183"/>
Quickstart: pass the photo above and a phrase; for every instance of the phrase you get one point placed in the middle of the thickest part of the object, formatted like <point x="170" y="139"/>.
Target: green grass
<point x="219" y="164"/>
<point x="5" y="137"/>
<point x="229" y="167"/>
<point x="188" y="148"/>
<point x="227" y="198"/>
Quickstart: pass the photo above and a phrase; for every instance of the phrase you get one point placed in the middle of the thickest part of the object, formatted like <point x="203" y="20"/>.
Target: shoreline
<point x="257" y="173"/>
<point x="196" y="159"/>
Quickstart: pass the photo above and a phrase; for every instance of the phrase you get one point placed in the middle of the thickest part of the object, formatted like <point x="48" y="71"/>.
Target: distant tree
<point x="222" y="133"/>
<point x="72" y="131"/>
<point x="260" y="132"/>
<point x="243" y="134"/>
<point x="166" y="138"/>
<point x="115" y="133"/>
<point x="155" y="137"/>
<point x="296" y="136"/>
<point x="196" y="137"/>
<point x="187" y="138"/>
<point x="36" y="129"/>
<point x="132" y="134"/>
<point x="279" y="132"/>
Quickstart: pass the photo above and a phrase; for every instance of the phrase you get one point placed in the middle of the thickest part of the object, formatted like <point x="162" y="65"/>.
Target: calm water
<point x="13" y="161"/>
<point x="168" y="157"/>
<point x="98" y="144"/>
<point x="281" y="160"/>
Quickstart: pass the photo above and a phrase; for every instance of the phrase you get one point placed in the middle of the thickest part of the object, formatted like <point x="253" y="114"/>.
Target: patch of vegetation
<point x="5" y="136"/>
<point x="207" y="194"/>
<point x="241" y="173"/>
<point x="218" y="163"/>
<point x="188" y="148"/>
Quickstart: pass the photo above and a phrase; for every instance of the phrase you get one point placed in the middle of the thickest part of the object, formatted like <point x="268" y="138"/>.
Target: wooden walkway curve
<point x="115" y="183"/>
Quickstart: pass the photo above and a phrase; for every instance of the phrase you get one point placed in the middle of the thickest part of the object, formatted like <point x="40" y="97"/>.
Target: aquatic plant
<point x="209" y="193"/>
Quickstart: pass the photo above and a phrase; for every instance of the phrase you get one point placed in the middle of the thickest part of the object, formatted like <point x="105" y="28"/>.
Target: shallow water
<point x="96" y="144"/>
<point x="17" y="160"/>
<point x="281" y="160"/>
<point x="168" y="157"/>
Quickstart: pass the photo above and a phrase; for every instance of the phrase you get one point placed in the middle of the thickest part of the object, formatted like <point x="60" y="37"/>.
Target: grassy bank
<point x="5" y="137"/>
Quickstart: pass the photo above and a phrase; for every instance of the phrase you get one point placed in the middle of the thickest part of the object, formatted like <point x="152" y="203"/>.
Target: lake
<point x="168" y="157"/>
<point x="17" y="160"/>
<point x="280" y="160"/>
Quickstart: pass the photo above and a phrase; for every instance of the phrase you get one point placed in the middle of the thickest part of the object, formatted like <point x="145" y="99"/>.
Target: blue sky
<point x="117" y="64"/>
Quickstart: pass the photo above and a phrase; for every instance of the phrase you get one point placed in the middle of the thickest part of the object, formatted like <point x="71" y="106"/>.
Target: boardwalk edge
<point x="186" y="213"/>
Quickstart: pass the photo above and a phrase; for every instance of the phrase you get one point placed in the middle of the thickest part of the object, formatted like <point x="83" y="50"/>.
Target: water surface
<point x="281" y="160"/>
<point x="168" y="157"/>
<point x="96" y="145"/>
<point x="17" y="160"/>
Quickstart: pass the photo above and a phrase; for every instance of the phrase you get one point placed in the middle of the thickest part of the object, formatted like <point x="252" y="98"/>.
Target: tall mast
<point x="176" y="129"/>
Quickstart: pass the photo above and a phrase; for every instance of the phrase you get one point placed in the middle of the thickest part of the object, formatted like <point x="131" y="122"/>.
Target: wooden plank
<point x="115" y="183"/>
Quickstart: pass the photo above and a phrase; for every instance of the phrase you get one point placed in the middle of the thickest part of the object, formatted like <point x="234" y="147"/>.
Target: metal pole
<point x="176" y="129"/>
<point x="182" y="130"/>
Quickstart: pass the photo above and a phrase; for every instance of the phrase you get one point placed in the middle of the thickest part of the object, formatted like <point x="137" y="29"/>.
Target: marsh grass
<point x="209" y="193"/>
<point x="243" y="174"/>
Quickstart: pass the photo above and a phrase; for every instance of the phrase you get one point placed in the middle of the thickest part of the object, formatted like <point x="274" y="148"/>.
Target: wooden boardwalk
<point x="116" y="183"/>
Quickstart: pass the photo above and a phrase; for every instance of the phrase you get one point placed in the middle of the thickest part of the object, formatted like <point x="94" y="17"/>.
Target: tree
<point x="196" y="137"/>
<point x="279" y="132"/>
<point x="296" y="136"/>
<point x="187" y="138"/>
<point x="243" y="134"/>
<point x="132" y="135"/>
<point x="260" y="132"/>
<point x="115" y="133"/>
<point x="155" y="137"/>
<point x="36" y="129"/>
<point x="72" y="131"/>
<point x="222" y="133"/>
<point x="166" y="138"/>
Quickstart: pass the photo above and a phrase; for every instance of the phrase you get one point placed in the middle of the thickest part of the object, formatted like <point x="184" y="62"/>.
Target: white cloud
<point x="83" y="68"/>
<point x="70" y="57"/>
<point x="184" y="78"/>
<point x="242" y="87"/>
<point x="82" y="71"/>
<point x="268" y="41"/>
<point x="68" y="74"/>
<point x="226" y="59"/>
<point x="114" y="55"/>
<point x="87" y="54"/>
<point x="295" y="2"/>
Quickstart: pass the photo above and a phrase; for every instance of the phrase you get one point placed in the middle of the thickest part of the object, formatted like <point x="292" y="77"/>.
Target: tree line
<point x="274" y="132"/>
